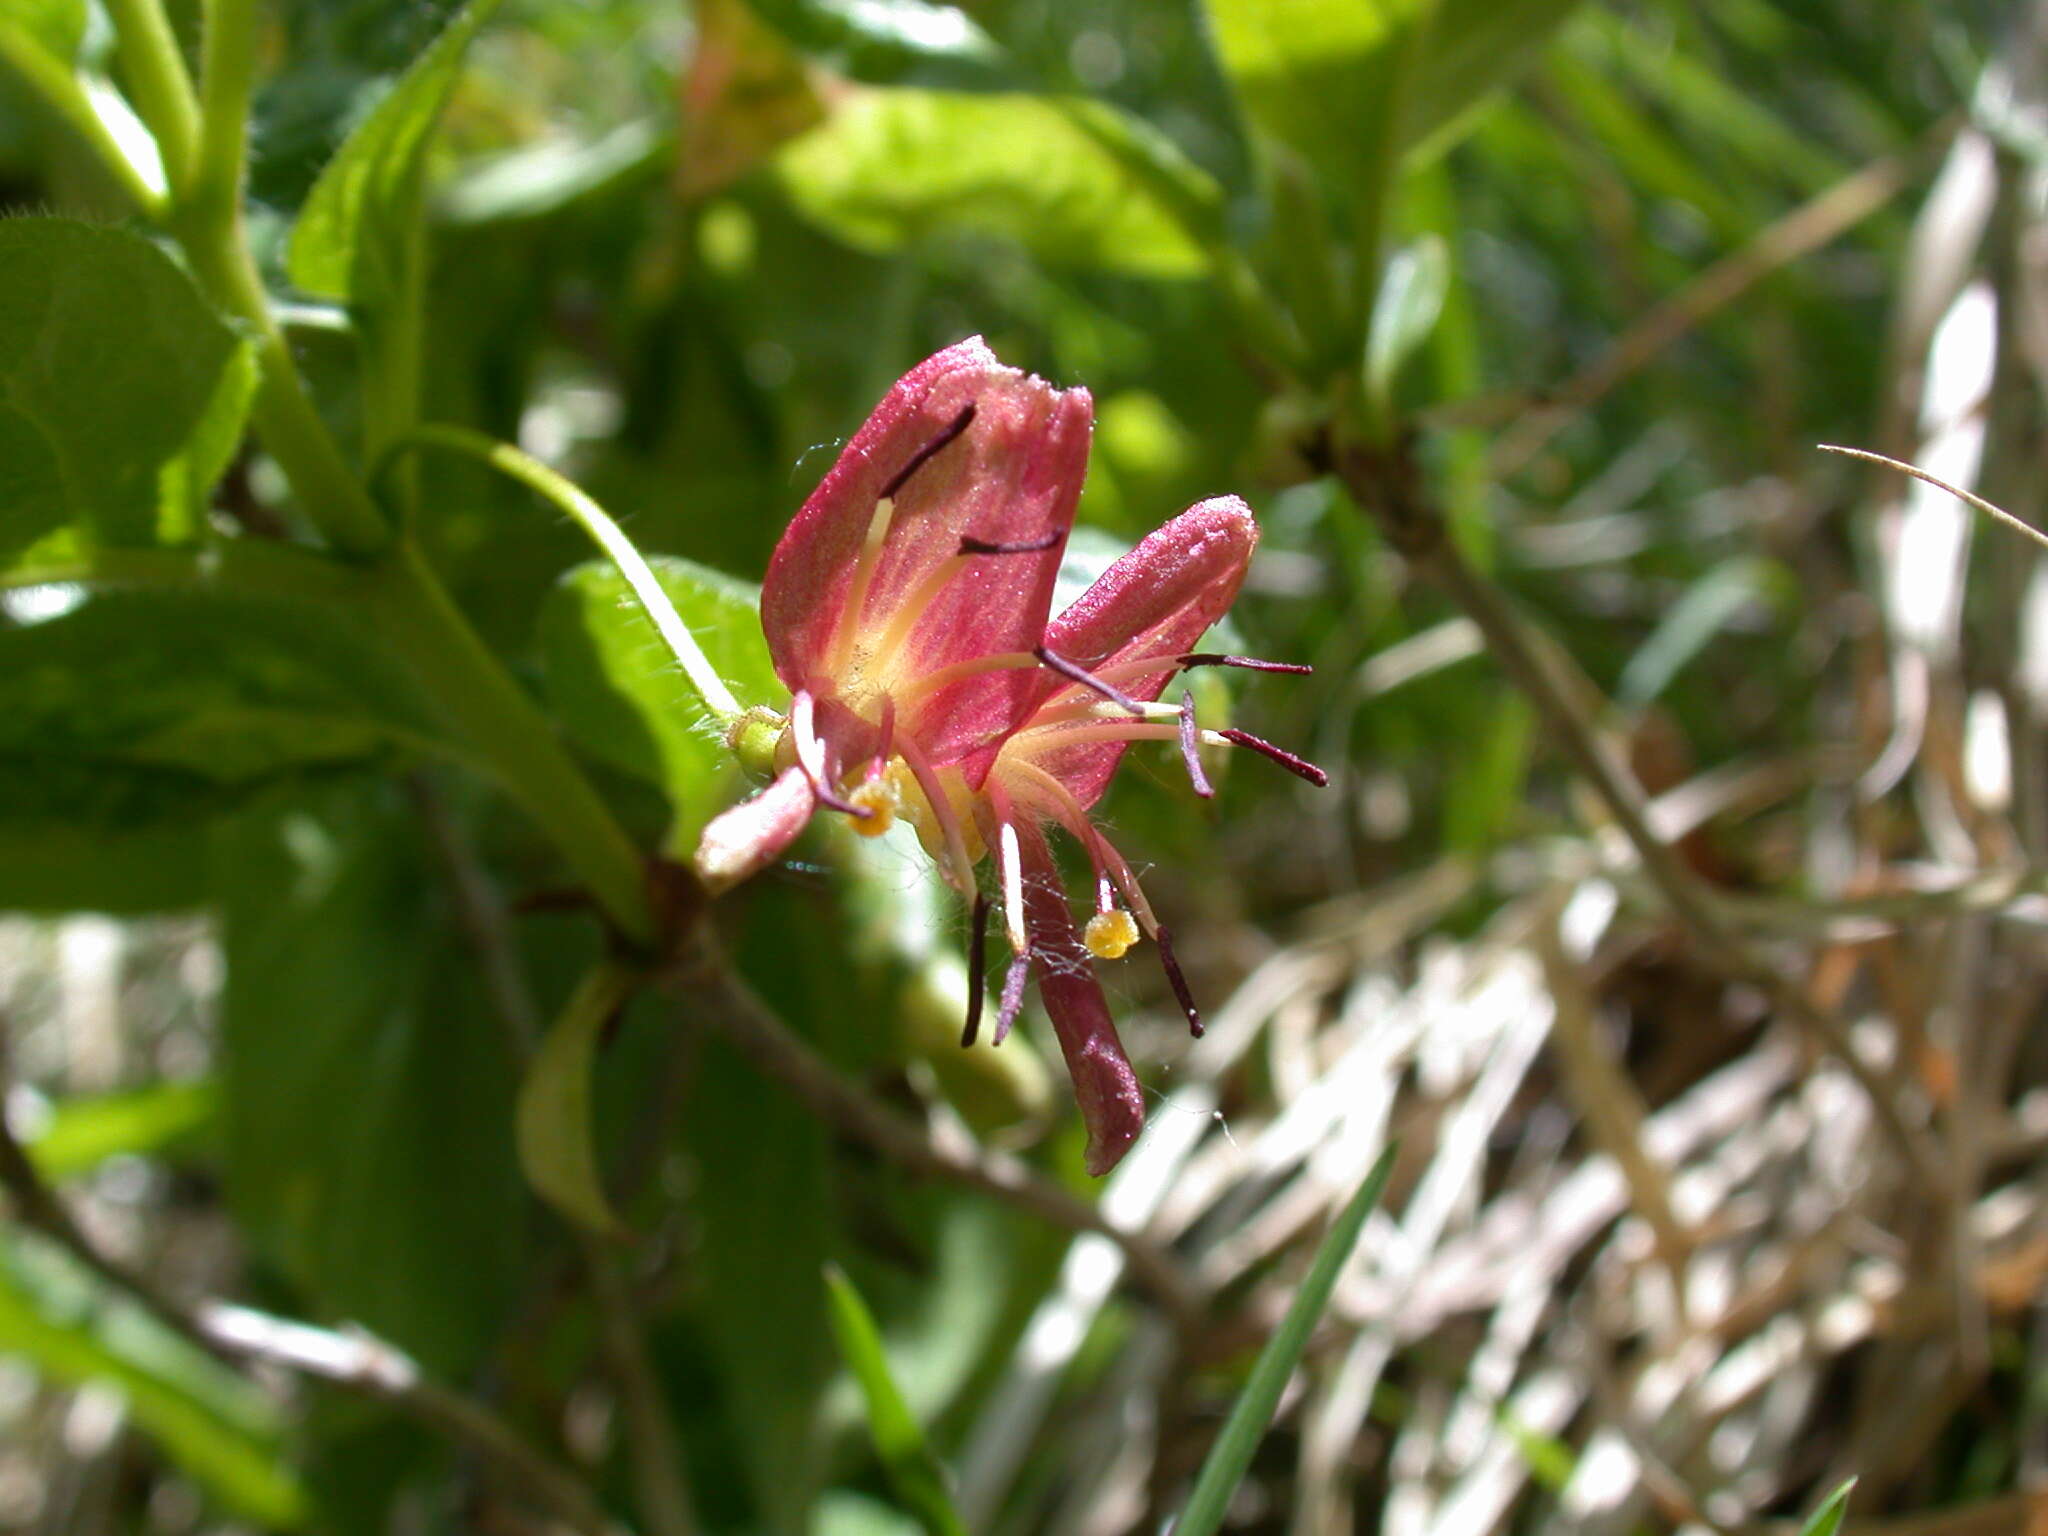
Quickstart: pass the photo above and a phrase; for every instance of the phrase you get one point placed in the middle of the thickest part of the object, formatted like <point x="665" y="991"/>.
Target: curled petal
<point x="1112" y="1104"/>
<point x="1156" y="601"/>
<point x="747" y="838"/>
<point x="1009" y="474"/>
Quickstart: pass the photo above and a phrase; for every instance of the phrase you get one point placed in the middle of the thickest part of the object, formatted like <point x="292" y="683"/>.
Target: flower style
<point x="908" y="610"/>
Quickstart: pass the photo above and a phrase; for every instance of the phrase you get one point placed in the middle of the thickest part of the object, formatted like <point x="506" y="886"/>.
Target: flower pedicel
<point x="908" y="609"/>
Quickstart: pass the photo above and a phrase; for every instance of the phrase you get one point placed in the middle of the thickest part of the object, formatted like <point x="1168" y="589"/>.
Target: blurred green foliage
<point x="1233" y="222"/>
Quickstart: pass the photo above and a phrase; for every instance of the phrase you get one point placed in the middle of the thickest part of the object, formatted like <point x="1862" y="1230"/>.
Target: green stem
<point x="55" y="85"/>
<point x="210" y="226"/>
<point x="584" y="511"/>
<point x="162" y="86"/>
<point x="509" y="731"/>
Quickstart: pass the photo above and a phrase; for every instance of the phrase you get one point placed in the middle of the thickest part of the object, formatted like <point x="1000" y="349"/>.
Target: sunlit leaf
<point x="121" y="392"/>
<point x="1349" y="85"/>
<point x="353" y="240"/>
<point x="1076" y="183"/>
<point x="81" y="1133"/>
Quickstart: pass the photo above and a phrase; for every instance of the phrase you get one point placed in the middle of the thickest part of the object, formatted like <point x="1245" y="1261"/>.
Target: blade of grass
<point x="1828" y="1518"/>
<point x="1253" y="1411"/>
<point x="916" y="1473"/>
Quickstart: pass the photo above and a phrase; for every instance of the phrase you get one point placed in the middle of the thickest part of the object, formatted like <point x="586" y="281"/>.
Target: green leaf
<point x="82" y="1133"/>
<point x="1411" y="297"/>
<point x="129" y="722"/>
<point x="1231" y="1456"/>
<point x="1350" y="86"/>
<point x="1827" y="1520"/>
<point x="354" y="238"/>
<point x="366" y="1086"/>
<point x="914" y="1471"/>
<point x="214" y="1425"/>
<point x="614" y="684"/>
<point x="56" y="26"/>
<point x="1077" y="183"/>
<point x="553" y="1118"/>
<point x="893" y="42"/>
<point x="121" y="392"/>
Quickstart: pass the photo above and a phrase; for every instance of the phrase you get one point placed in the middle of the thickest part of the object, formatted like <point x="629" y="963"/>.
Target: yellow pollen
<point x="879" y="799"/>
<point x="1109" y="934"/>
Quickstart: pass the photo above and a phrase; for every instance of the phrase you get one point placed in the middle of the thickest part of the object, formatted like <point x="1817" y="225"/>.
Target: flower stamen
<point x="1177" y="981"/>
<point x="811" y="756"/>
<point x="1248" y="663"/>
<point x="1075" y="673"/>
<point x="1110" y="933"/>
<point x="1300" y="767"/>
<point x="1191" y="746"/>
<point x="1012" y="1001"/>
<point x="977" y="963"/>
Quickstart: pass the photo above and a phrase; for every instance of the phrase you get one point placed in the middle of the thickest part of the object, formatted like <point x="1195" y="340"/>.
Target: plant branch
<point x="352" y="1360"/>
<point x="209" y="224"/>
<point x="783" y="1056"/>
<point x="1383" y="482"/>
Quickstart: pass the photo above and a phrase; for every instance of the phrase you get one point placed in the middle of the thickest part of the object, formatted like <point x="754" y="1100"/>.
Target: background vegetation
<point x="1677" y="903"/>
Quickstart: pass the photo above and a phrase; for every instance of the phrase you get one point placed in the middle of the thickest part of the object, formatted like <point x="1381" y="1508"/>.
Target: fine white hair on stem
<point x="1990" y="509"/>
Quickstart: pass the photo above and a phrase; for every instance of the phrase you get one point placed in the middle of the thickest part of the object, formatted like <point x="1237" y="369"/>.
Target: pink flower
<point x="907" y="608"/>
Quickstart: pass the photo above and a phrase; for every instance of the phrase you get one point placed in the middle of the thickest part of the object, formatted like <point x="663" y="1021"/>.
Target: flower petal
<point x="1156" y="601"/>
<point x="1112" y="1104"/>
<point x="1013" y="476"/>
<point x="751" y="835"/>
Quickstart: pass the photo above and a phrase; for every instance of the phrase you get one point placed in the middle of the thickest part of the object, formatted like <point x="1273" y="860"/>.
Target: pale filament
<point x="810" y="747"/>
<point x="848" y="625"/>
<point x="996" y="661"/>
<point x="1010" y="862"/>
<point x="1080" y="735"/>
<point x="1093" y="706"/>
<point x="942" y="809"/>
<point x="1074" y="817"/>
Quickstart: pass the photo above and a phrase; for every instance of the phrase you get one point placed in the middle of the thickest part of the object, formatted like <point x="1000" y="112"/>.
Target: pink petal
<point x="1112" y="1104"/>
<point x="750" y="836"/>
<point x="1158" y="600"/>
<point x="1013" y="476"/>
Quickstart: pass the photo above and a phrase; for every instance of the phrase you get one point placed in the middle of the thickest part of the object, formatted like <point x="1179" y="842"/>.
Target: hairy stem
<point x="161" y="85"/>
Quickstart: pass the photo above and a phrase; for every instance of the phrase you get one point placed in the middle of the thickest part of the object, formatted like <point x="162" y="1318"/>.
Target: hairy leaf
<point x="616" y="687"/>
<point x="121" y="392"/>
<point x="353" y="238"/>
